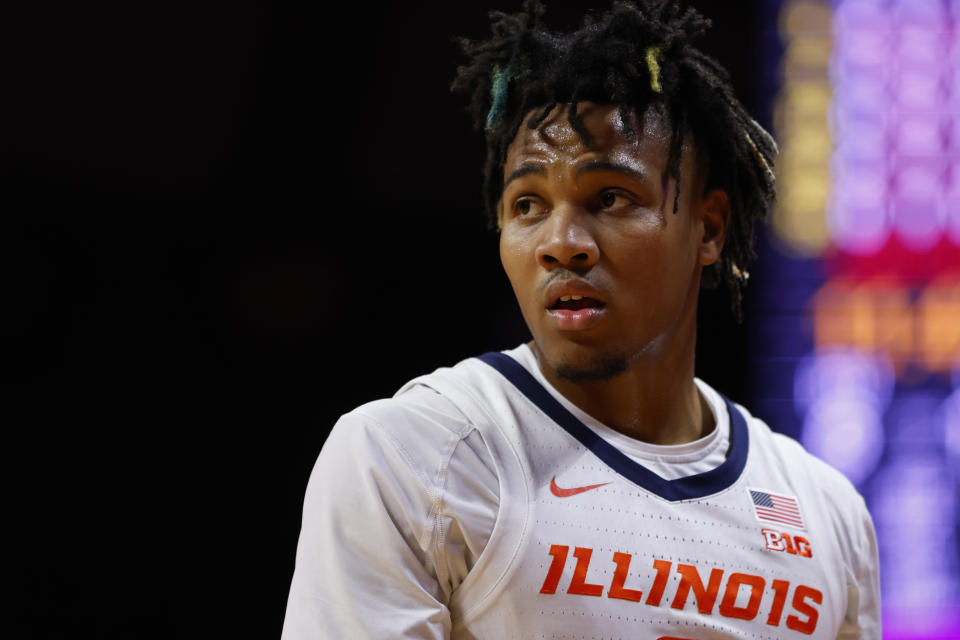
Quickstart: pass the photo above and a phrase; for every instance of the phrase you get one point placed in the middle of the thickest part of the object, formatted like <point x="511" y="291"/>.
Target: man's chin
<point x="597" y="367"/>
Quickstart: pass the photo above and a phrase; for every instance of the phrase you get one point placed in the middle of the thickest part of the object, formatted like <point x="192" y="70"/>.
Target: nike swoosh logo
<point x="566" y="493"/>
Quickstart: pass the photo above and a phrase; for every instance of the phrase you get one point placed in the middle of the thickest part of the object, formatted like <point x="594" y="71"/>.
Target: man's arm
<point x="361" y="570"/>
<point x="863" y="619"/>
<point x="400" y="505"/>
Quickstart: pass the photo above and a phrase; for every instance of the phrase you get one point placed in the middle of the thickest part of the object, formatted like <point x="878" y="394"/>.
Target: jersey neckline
<point x="687" y="488"/>
<point x="662" y="459"/>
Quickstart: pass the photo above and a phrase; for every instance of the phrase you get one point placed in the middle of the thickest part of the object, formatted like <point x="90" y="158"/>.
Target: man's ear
<point x="714" y="213"/>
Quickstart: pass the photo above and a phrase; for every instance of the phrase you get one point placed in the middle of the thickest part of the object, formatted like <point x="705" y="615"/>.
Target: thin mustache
<point x="562" y="275"/>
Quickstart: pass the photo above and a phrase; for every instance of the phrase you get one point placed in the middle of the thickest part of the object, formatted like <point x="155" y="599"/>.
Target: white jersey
<point x="479" y="503"/>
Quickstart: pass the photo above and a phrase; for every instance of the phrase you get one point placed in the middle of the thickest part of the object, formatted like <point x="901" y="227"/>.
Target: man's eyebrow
<point x="525" y="170"/>
<point x="604" y="165"/>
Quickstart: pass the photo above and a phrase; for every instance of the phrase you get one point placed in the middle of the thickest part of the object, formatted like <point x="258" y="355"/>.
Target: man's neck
<point x="655" y="400"/>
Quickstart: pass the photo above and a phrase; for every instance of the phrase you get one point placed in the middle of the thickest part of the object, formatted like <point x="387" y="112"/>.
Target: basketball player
<point x="586" y="484"/>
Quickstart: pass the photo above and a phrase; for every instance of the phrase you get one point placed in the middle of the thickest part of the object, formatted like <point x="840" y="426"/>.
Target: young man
<point x="586" y="485"/>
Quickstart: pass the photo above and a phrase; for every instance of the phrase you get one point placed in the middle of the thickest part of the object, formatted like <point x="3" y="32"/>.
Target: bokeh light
<point x="868" y="115"/>
<point x="844" y="372"/>
<point x="845" y="431"/>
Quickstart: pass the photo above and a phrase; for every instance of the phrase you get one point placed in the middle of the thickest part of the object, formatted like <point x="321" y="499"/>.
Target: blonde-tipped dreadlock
<point x="633" y="55"/>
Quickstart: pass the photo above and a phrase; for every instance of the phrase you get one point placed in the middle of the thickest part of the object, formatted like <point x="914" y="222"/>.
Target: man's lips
<point x="574" y="305"/>
<point x="562" y="292"/>
<point x="576" y="319"/>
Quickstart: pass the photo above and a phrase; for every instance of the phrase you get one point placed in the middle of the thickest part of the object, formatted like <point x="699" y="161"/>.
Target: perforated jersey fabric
<point x="462" y="508"/>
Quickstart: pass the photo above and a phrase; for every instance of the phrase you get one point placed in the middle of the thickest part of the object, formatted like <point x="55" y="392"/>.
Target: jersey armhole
<point x="511" y="527"/>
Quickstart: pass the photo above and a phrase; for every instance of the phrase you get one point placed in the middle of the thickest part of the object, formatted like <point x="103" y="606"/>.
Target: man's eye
<point x="525" y="206"/>
<point x="609" y="198"/>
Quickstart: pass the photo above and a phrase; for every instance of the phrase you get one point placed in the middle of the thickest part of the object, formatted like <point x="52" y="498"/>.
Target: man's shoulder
<point x="783" y="455"/>
<point x="415" y="408"/>
<point x="454" y="397"/>
<point x="415" y="432"/>
<point x="428" y="409"/>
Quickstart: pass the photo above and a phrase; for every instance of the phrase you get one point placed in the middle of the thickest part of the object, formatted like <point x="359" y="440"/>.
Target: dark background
<point x="225" y="224"/>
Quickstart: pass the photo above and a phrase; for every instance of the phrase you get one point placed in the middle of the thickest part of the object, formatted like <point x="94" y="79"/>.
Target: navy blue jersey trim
<point x="690" y="487"/>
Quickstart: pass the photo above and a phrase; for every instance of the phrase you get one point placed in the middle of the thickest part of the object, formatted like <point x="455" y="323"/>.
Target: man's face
<point x="602" y="268"/>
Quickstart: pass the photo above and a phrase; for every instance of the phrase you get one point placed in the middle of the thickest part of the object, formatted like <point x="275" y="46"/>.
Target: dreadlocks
<point x="634" y="55"/>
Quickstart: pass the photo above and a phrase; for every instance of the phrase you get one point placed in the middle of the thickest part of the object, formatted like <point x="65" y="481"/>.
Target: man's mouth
<point x="576" y="313"/>
<point x="576" y="303"/>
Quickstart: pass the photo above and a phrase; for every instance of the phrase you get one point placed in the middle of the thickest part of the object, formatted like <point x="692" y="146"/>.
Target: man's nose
<point x="568" y="239"/>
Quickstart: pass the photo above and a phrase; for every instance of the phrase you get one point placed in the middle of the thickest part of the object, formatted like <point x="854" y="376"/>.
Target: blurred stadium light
<point x="868" y="116"/>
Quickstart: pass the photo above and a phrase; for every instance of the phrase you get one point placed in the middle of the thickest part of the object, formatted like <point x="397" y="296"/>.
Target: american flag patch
<point x="771" y="507"/>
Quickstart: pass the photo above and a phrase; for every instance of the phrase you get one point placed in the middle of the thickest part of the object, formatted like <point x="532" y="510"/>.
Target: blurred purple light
<point x="928" y="14"/>
<point x="951" y="203"/>
<point x="917" y="221"/>
<point x="860" y="138"/>
<point x="950" y="414"/>
<point x="952" y="80"/>
<point x="895" y="118"/>
<point x="953" y="136"/>
<point x="858" y="228"/>
<point x="918" y="90"/>
<point x="918" y="556"/>
<point x="918" y="135"/>
<point x="918" y="44"/>
<point x="842" y="394"/>
<point x="857" y="211"/>
<point x="861" y="141"/>
<point x="846" y="432"/>
<point x="860" y="93"/>
<point x="916" y="210"/>
<point x="846" y="372"/>
<point x="863" y="48"/>
<point x="851" y="16"/>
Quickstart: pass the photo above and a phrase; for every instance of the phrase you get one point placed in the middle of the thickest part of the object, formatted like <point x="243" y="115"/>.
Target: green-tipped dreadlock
<point x="632" y="56"/>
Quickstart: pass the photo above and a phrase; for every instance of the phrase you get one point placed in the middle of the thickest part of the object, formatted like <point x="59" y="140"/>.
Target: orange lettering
<point x="705" y="597"/>
<point x="790" y="549"/>
<point x="803" y="619"/>
<point x="579" y="585"/>
<point x="777" y="541"/>
<point x="774" y="539"/>
<point x="617" y="589"/>
<point x="728" y="606"/>
<point x="559" y="553"/>
<point x="659" y="583"/>
<point x="780" y="588"/>
<point x="809" y="625"/>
